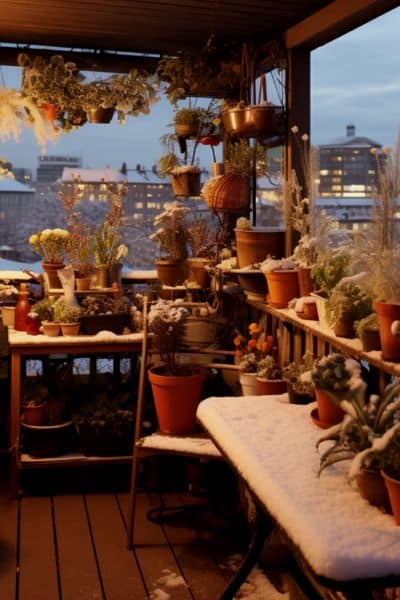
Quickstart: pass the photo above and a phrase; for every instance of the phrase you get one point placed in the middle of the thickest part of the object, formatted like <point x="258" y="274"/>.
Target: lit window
<point x="324" y="172"/>
<point x="139" y="204"/>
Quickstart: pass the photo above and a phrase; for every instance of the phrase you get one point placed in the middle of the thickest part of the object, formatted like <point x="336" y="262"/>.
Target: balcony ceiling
<point x="166" y="26"/>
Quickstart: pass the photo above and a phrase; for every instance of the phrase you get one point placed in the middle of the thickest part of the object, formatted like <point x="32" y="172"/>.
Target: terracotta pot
<point x="306" y="284"/>
<point x="198" y="273"/>
<point x="344" y="326"/>
<point x="283" y="286"/>
<point x="310" y="311"/>
<point x="51" y="276"/>
<point x="268" y="387"/>
<point x="34" y="414"/>
<point x="47" y="440"/>
<point x="387" y="315"/>
<point x="100" y="115"/>
<point x="171" y="272"/>
<point x="253" y="283"/>
<point x="176" y="398"/>
<point x="255" y="244"/>
<point x="70" y="328"/>
<point x="393" y="488"/>
<point x="186" y="183"/>
<point x="328" y="411"/>
<point x="372" y="487"/>
<point x="82" y="283"/>
<point x="371" y="340"/>
<point x="51" y="328"/>
<point x="249" y="384"/>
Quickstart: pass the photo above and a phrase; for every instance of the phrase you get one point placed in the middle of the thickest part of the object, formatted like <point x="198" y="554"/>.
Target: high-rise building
<point x="51" y="167"/>
<point x="23" y="175"/>
<point x="347" y="168"/>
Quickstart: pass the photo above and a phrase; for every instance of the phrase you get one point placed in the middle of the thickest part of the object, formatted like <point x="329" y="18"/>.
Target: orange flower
<point x="253" y="328"/>
<point x="237" y="340"/>
<point x="252" y="344"/>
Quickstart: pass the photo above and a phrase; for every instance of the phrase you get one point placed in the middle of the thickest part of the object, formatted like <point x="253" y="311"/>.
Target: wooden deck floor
<point x="73" y="547"/>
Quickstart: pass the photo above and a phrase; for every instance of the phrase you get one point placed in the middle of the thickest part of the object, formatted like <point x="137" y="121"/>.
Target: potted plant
<point x="45" y="310"/>
<point x="108" y="313"/>
<point x="300" y="391"/>
<point x="282" y="279"/>
<point x="176" y="388"/>
<point x="334" y="377"/>
<point x="104" y="422"/>
<point x="68" y="316"/>
<point x="33" y="402"/>
<point x="269" y="377"/>
<point x="254" y="244"/>
<point x="367" y="329"/>
<point x="184" y="173"/>
<point x="202" y="244"/>
<point x="331" y="266"/>
<point x="188" y="121"/>
<point x="171" y="235"/>
<point x="346" y="304"/>
<point x="249" y="353"/>
<point x="364" y="422"/>
<point x="51" y="245"/>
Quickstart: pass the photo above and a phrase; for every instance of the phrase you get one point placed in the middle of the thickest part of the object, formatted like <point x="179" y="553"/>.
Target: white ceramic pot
<point x="249" y="384"/>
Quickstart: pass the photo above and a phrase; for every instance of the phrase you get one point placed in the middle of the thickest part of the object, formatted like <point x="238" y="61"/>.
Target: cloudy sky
<point x="355" y="79"/>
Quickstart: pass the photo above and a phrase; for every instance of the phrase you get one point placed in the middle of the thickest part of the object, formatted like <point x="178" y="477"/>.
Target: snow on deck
<point x="272" y="445"/>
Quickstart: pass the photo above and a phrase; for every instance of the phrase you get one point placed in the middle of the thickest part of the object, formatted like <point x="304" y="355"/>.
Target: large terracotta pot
<point x="171" y="272"/>
<point x="50" y="270"/>
<point x="389" y="325"/>
<point x="198" y="272"/>
<point x="328" y="411"/>
<point x="176" y="398"/>
<point x="393" y="488"/>
<point x="283" y="286"/>
<point x="254" y="245"/>
<point x="268" y="387"/>
<point x="372" y="487"/>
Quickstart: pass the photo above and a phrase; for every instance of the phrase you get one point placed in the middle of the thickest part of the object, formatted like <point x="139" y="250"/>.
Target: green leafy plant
<point x="364" y="424"/>
<point x="370" y="322"/>
<point x="348" y="300"/>
<point x="45" y="308"/>
<point x="242" y="158"/>
<point x="102" y="305"/>
<point x="63" y="313"/>
<point x="329" y="269"/>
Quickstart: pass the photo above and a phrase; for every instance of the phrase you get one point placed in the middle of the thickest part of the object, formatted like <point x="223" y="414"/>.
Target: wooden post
<point x="298" y="114"/>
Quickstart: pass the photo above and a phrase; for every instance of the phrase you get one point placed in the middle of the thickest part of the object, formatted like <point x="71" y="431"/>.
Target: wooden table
<point x="23" y="345"/>
<point x="336" y="537"/>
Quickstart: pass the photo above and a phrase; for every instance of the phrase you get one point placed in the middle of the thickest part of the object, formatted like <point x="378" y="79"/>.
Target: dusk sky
<point x="355" y="79"/>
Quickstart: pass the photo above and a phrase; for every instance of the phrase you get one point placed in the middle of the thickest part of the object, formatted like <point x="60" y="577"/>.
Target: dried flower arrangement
<point x="51" y="244"/>
<point x="167" y="323"/>
<point x="170" y="231"/>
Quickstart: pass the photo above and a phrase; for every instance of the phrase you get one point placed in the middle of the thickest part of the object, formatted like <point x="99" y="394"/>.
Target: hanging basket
<point x="186" y="183"/>
<point x="228" y="193"/>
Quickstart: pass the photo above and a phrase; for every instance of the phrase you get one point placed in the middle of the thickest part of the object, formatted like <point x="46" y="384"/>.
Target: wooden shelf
<point x="70" y="459"/>
<point x="90" y="292"/>
<point x="351" y="347"/>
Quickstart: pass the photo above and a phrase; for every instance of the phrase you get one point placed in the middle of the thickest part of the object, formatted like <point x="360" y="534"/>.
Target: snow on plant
<point x="167" y="323"/>
<point x="251" y="352"/>
<point x="364" y="422"/>
<point x="171" y="233"/>
<point x="269" y="368"/>
<point x="336" y="373"/>
<point x="275" y="264"/>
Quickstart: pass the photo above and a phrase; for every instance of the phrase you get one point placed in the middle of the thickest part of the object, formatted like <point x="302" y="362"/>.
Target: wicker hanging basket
<point x="227" y="193"/>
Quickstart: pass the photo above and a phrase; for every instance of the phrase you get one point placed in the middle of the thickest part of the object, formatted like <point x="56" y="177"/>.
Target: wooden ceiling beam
<point x="85" y="61"/>
<point x="337" y="18"/>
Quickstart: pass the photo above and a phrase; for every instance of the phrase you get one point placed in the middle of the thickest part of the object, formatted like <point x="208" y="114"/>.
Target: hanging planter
<point x="229" y="193"/>
<point x="185" y="181"/>
<point x="100" y="114"/>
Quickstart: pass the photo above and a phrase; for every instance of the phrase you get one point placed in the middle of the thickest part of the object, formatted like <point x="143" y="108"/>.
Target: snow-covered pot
<point x="255" y="244"/>
<point x="249" y="384"/>
<point x="389" y="329"/>
<point x="186" y="182"/>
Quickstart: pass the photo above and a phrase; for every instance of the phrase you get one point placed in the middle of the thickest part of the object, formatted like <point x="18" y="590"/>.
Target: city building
<point x="347" y="168"/>
<point x="23" y="175"/>
<point x="51" y="167"/>
<point x="16" y="202"/>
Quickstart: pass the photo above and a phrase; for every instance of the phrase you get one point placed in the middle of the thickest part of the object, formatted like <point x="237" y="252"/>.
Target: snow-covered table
<point x="270" y="443"/>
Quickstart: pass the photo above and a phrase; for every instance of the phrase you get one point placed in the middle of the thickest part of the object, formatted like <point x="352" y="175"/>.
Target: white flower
<point x="295" y="129"/>
<point x="305" y="137"/>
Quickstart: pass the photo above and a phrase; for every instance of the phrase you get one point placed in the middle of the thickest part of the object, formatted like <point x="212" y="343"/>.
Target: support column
<point x="298" y="113"/>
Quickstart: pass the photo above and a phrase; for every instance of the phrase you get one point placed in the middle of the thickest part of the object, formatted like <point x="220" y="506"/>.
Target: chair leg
<point x="132" y="500"/>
